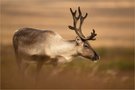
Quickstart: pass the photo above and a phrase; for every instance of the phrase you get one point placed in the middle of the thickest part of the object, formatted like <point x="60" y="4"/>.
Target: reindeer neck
<point x="70" y="48"/>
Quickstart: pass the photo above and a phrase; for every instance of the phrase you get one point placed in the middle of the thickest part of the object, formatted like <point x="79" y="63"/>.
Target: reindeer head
<point x="83" y="46"/>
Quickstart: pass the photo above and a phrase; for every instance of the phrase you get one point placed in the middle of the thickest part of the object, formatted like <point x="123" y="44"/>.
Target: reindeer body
<point x="48" y="46"/>
<point x="30" y="43"/>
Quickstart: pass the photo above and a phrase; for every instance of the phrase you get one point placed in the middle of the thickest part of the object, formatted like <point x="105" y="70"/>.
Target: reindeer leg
<point x="25" y="68"/>
<point x="19" y="61"/>
<point x="39" y="66"/>
<point x="60" y="60"/>
<point x="38" y="69"/>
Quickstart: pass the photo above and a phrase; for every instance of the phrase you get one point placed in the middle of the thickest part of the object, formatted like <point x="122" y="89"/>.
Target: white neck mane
<point x="61" y="47"/>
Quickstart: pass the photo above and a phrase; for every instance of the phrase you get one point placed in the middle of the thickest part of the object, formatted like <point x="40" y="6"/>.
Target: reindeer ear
<point x="78" y="40"/>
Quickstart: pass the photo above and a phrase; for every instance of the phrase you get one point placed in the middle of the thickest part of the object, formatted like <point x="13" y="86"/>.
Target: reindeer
<point x="42" y="46"/>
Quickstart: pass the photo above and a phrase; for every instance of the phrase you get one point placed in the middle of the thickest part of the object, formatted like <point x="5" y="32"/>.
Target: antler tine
<point x="74" y="19"/>
<point x="85" y="15"/>
<point x="80" y="13"/>
<point x="92" y="36"/>
<point x="81" y="20"/>
<point x="73" y="12"/>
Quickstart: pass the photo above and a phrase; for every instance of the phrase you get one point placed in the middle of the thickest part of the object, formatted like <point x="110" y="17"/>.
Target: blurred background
<point x="113" y="21"/>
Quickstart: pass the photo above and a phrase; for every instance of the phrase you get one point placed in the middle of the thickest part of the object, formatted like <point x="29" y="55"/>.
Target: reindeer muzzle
<point x="95" y="57"/>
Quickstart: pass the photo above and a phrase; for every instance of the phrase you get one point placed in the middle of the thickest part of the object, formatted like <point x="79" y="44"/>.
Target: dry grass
<point x="114" y="70"/>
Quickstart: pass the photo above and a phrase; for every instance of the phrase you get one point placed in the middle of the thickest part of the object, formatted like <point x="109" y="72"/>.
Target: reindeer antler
<point x="79" y="30"/>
